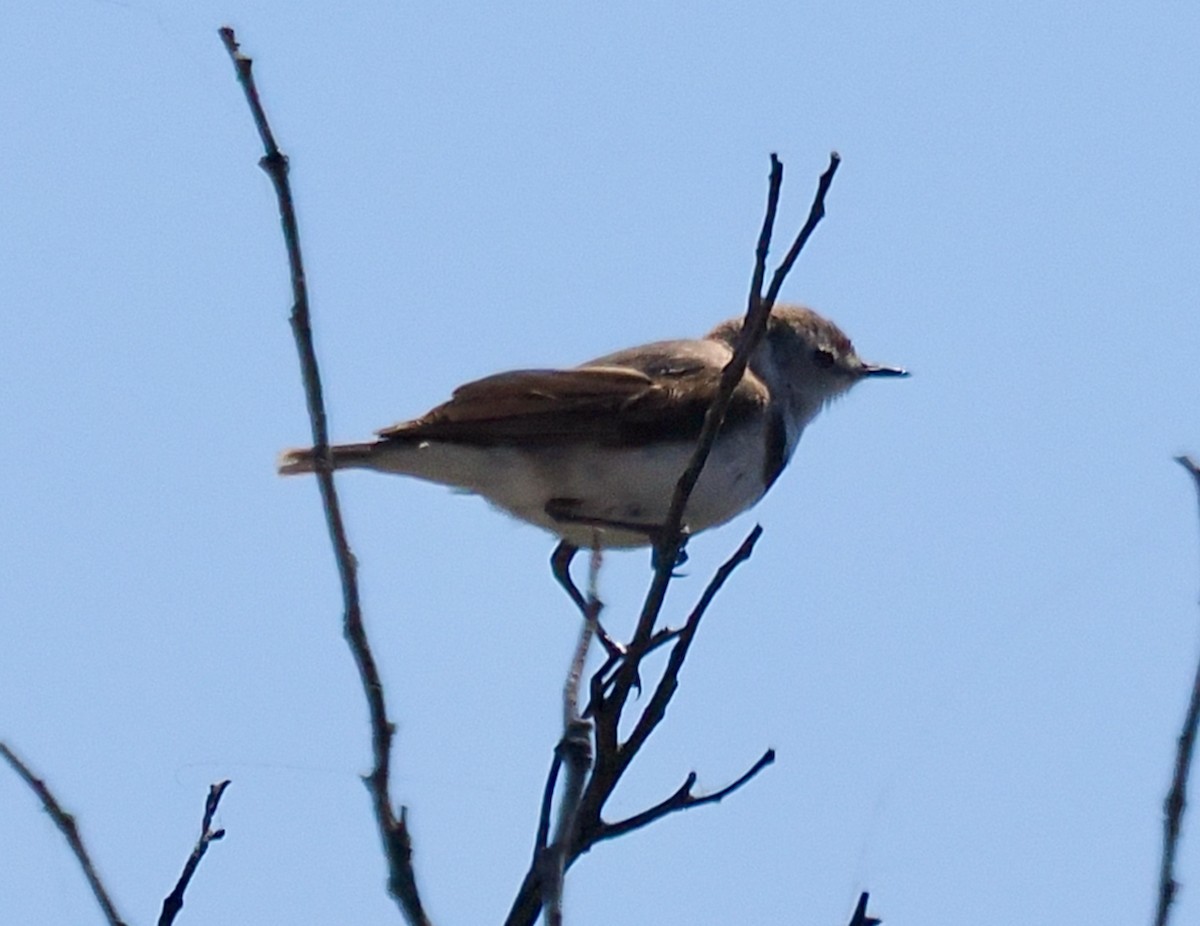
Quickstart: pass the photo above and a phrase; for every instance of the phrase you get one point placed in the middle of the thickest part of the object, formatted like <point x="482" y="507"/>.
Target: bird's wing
<point x="657" y="392"/>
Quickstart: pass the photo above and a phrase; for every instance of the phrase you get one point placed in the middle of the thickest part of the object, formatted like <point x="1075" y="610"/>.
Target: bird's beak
<point x="873" y="369"/>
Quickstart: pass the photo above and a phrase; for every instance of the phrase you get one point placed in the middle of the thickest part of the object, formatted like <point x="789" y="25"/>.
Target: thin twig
<point x="656" y="708"/>
<point x="611" y="763"/>
<point x="670" y="541"/>
<point x="393" y="827"/>
<point x="860" y="917"/>
<point x="682" y="799"/>
<point x="575" y="748"/>
<point x="614" y="757"/>
<point x="1176" y="802"/>
<point x="66" y="825"/>
<point x="587" y="632"/>
<point x="754" y="326"/>
<point x="173" y="902"/>
<point x="602" y="681"/>
<point x="543" y="831"/>
<point x="816" y="212"/>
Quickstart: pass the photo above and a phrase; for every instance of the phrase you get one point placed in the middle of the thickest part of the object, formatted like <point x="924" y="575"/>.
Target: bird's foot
<point x="560" y="565"/>
<point x="681" y="555"/>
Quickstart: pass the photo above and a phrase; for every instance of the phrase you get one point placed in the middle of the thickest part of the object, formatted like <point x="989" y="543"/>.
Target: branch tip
<point x="393" y="832"/>
<point x="173" y="902"/>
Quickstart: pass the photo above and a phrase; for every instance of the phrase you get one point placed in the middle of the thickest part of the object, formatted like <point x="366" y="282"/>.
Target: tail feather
<point x="297" y="461"/>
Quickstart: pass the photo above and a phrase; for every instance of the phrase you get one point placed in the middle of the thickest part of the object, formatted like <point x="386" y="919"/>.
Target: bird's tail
<point x="345" y="456"/>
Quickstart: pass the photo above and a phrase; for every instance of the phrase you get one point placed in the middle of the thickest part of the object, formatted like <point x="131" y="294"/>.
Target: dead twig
<point x="393" y="826"/>
<point x="860" y="917"/>
<point x="1176" y="802"/>
<point x="66" y="825"/>
<point x="656" y="708"/>
<point x="173" y="902"/>
<point x="671" y="540"/>
<point x="575" y="752"/>
<point x="682" y="799"/>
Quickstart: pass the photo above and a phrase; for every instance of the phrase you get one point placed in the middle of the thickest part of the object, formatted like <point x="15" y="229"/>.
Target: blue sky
<point x="971" y="623"/>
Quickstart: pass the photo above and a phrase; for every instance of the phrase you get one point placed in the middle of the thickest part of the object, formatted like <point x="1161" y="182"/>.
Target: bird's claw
<point x="681" y="557"/>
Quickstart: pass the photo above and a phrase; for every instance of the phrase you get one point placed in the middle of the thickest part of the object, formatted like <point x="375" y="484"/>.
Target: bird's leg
<point x="560" y="565"/>
<point x="560" y="509"/>
<point x="565" y="510"/>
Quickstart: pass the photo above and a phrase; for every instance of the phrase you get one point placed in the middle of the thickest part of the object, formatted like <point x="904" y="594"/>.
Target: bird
<point x="592" y="453"/>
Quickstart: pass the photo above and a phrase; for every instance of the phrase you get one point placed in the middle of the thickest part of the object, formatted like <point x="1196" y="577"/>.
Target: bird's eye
<point x="823" y="358"/>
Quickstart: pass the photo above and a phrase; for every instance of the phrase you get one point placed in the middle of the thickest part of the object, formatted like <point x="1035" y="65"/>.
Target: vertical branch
<point x="574" y="751"/>
<point x="1176" y="802"/>
<point x="393" y="828"/>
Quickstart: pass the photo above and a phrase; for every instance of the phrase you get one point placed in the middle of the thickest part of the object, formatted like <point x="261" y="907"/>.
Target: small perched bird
<point x="593" y="453"/>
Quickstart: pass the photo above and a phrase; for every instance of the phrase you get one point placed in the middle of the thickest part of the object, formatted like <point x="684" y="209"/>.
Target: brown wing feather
<point x="630" y="398"/>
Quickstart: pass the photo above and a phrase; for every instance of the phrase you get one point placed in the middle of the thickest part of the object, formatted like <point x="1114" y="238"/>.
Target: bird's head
<point x="805" y="357"/>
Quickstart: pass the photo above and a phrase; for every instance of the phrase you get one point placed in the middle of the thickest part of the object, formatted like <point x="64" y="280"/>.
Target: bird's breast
<point x="629" y="486"/>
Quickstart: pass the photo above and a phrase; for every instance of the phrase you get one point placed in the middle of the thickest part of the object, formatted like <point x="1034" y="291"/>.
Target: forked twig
<point x="754" y="327"/>
<point x="656" y="708"/>
<point x="393" y="827"/>
<point x="65" y="822"/>
<point x="682" y="799"/>
<point x="173" y="902"/>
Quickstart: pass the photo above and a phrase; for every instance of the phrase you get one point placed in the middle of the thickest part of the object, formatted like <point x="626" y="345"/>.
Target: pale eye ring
<point x="823" y="358"/>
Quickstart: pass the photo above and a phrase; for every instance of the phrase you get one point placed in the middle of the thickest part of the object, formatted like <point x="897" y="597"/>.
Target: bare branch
<point x="590" y="610"/>
<point x="602" y="681"/>
<point x="656" y="708"/>
<point x="1176" y="802"/>
<point x="816" y="212"/>
<point x="393" y="827"/>
<point x="543" y="831"/>
<point x="683" y="799"/>
<point x="860" y="916"/>
<point x="671" y="540"/>
<point x="575" y="748"/>
<point x="613" y="758"/>
<point x="173" y="902"/>
<point x="610" y="763"/>
<point x="610" y="693"/>
<point x="66" y="825"/>
<point x="753" y="329"/>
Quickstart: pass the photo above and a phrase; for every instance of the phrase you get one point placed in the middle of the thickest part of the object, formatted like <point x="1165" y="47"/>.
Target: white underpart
<point x="630" y="485"/>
